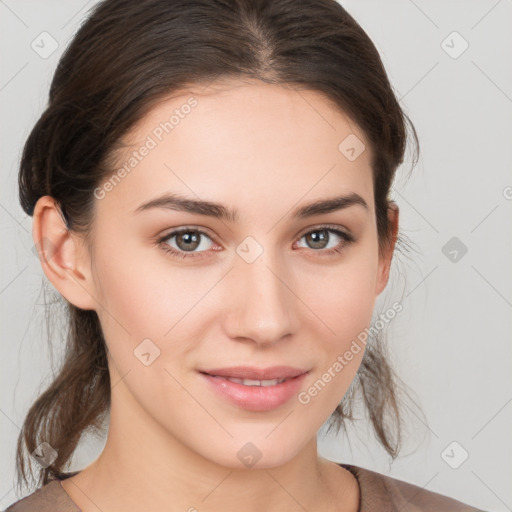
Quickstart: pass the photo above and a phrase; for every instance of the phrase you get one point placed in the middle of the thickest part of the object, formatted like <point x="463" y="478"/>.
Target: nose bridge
<point x="263" y="308"/>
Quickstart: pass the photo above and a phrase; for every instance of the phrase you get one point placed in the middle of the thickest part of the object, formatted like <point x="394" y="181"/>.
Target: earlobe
<point x="386" y="258"/>
<point x="62" y="257"/>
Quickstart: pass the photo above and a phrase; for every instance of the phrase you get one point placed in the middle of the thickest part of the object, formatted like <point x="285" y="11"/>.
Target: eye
<point x="320" y="238"/>
<point x="187" y="241"/>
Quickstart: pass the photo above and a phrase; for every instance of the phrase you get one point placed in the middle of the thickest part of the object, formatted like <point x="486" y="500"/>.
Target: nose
<point x="262" y="303"/>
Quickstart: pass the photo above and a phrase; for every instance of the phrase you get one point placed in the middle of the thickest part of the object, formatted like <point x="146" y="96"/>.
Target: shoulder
<point x="386" y="494"/>
<point x="49" y="498"/>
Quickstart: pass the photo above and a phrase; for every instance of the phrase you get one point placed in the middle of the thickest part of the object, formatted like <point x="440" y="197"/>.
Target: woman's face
<point x="260" y="290"/>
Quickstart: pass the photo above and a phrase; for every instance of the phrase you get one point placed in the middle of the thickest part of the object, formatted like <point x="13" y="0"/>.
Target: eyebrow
<point x="180" y="203"/>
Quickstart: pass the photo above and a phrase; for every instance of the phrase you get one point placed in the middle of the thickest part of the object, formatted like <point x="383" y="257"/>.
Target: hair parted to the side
<point x="127" y="56"/>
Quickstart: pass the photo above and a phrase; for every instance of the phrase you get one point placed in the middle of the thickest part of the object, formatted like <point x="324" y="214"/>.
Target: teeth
<point x="250" y="382"/>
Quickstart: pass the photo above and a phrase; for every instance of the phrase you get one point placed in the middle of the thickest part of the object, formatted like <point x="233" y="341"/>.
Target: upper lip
<point x="250" y="372"/>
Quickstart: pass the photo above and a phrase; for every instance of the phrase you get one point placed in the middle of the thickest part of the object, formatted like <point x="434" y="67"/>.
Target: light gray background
<point x="451" y="342"/>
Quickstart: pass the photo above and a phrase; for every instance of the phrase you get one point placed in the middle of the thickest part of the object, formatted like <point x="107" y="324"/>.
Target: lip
<point x="256" y="398"/>
<point x="251" y="372"/>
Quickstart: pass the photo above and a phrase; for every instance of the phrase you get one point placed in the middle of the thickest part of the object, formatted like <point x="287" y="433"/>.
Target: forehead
<point x="250" y="140"/>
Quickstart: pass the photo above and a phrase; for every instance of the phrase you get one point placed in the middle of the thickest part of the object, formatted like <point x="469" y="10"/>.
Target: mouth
<point x="256" y="389"/>
<point x="252" y="382"/>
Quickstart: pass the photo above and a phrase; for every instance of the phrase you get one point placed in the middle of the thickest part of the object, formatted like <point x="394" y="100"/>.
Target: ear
<point x="63" y="256"/>
<point x="386" y="254"/>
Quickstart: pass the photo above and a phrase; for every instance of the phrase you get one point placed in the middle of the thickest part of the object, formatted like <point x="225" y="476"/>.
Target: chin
<point x="245" y="452"/>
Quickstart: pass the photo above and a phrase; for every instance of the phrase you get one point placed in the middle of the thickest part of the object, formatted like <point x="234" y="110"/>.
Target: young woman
<point x="210" y="192"/>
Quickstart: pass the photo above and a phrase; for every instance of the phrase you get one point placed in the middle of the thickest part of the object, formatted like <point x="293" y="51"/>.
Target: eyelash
<point x="348" y="239"/>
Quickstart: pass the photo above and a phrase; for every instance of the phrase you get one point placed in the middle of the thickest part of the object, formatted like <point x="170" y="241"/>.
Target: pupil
<point x="319" y="237"/>
<point x="189" y="237"/>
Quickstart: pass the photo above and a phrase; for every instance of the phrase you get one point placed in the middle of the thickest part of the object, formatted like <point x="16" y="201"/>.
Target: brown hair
<point x="127" y="56"/>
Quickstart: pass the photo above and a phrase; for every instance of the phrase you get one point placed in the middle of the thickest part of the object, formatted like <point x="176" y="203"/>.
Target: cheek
<point x="344" y="298"/>
<point x="141" y="307"/>
<point x="345" y="305"/>
<point x="145" y="299"/>
<point x="140" y="293"/>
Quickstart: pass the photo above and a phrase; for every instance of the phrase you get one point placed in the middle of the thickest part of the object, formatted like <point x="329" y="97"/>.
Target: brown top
<point x="379" y="493"/>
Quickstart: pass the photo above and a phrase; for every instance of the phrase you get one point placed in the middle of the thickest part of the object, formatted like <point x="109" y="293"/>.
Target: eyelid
<point x="327" y="227"/>
<point x="305" y="231"/>
<point x="182" y="229"/>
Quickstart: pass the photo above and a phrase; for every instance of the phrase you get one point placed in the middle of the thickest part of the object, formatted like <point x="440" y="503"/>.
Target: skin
<point x="264" y="150"/>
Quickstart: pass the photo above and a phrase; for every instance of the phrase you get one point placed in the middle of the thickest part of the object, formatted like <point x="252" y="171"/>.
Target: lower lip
<point x="256" y="398"/>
